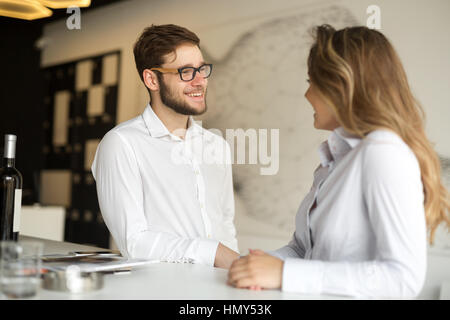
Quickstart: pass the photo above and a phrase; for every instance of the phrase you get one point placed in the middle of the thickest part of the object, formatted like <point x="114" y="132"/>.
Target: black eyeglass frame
<point x="180" y="71"/>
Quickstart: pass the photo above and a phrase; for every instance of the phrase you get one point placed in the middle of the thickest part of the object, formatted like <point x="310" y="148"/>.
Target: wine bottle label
<point x="17" y="209"/>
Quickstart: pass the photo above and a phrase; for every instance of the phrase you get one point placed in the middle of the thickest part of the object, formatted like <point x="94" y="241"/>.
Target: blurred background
<point x="62" y="88"/>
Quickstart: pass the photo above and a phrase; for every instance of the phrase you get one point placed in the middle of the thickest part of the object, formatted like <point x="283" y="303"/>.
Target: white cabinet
<point x="46" y="222"/>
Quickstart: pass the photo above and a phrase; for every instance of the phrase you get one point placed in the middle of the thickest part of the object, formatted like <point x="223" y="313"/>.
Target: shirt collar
<point x="338" y="144"/>
<point x="157" y="129"/>
<point x="194" y="128"/>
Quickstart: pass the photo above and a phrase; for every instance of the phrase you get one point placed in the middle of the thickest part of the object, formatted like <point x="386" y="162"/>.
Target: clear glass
<point x="20" y="268"/>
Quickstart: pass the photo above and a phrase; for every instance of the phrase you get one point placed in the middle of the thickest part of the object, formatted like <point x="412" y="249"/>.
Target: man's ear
<point x="150" y="79"/>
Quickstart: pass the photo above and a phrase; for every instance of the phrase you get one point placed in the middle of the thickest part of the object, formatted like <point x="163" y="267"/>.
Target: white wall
<point x="418" y="29"/>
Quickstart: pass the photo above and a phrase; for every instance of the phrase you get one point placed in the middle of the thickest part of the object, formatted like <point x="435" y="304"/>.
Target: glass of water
<point x="20" y="268"/>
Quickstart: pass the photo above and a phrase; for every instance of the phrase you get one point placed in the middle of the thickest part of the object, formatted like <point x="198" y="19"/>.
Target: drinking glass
<point x="20" y="268"/>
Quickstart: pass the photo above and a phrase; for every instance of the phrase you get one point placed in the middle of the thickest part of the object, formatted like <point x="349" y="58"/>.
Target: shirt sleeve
<point x="293" y="249"/>
<point x="393" y="194"/>
<point x="228" y="204"/>
<point x="120" y="196"/>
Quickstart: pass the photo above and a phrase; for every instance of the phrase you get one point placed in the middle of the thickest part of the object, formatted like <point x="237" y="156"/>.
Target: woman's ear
<point x="150" y="79"/>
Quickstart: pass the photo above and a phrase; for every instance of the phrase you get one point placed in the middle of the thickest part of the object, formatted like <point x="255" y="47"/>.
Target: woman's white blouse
<point x="367" y="234"/>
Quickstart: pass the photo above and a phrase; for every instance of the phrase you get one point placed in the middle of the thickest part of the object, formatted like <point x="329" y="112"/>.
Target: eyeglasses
<point x="188" y="73"/>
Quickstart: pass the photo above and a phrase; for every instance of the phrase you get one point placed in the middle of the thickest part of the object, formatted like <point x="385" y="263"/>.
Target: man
<point x="157" y="197"/>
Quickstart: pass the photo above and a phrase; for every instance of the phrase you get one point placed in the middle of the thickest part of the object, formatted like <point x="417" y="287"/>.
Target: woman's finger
<point x="237" y="275"/>
<point x="237" y="269"/>
<point x="245" y="282"/>
<point x="257" y="252"/>
<point x="255" y="287"/>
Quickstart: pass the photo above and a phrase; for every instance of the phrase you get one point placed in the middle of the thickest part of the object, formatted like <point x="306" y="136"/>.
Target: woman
<point x="361" y="230"/>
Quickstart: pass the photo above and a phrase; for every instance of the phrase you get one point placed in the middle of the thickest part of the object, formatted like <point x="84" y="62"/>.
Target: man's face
<point x="184" y="97"/>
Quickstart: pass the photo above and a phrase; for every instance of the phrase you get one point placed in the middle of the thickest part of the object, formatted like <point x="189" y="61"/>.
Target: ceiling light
<point x="23" y="9"/>
<point x="59" y="4"/>
<point x="36" y="9"/>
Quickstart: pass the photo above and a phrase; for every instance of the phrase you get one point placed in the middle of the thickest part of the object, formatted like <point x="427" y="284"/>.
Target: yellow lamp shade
<point x="23" y="9"/>
<point x="58" y="4"/>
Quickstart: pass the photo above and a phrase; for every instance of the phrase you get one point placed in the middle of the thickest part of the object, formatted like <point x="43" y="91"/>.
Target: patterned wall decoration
<point x="261" y="84"/>
<point x="80" y="107"/>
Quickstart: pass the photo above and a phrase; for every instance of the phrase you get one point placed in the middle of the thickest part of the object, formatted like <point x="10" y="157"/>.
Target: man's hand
<point x="224" y="257"/>
<point x="255" y="271"/>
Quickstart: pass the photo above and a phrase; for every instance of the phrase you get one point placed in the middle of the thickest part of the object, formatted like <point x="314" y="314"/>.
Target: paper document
<point x="92" y="263"/>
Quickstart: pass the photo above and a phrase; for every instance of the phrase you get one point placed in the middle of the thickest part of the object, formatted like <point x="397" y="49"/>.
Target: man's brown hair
<point x="157" y="41"/>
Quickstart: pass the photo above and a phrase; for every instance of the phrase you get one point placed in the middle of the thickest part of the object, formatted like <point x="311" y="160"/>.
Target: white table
<point x="172" y="281"/>
<point x="163" y="281"/>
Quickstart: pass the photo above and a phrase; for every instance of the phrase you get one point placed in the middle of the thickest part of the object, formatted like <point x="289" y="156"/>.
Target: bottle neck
<point x="9" y="154"/>
<point x="9" y="162"/>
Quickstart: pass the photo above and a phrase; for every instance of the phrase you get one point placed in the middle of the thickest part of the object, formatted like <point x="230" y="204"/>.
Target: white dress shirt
<point x="163" y="197"/>
<point x="366" y="236"/>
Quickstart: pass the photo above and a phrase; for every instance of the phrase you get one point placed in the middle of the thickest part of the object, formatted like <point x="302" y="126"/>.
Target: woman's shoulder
<point x="385" y="140"/>
<point x="384" y="149"/>
<point x="384" y="136"/>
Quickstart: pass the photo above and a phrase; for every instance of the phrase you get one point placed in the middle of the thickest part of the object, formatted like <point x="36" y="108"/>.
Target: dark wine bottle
<point x="10" y="192"/>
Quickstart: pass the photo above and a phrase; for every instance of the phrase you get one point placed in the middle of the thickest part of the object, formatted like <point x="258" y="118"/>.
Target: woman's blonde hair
<point x="360" y="76"/>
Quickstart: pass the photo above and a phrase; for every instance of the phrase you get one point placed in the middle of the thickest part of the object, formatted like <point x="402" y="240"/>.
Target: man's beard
<point x="169" y="99"/>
